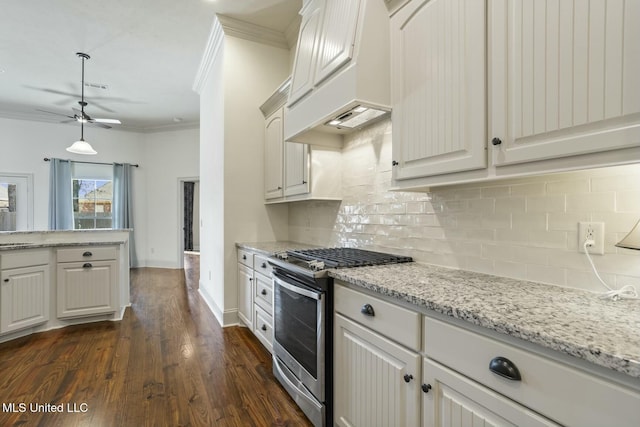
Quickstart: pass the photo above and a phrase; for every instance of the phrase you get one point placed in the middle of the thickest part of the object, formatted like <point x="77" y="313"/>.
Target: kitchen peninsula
<point x="53" y="279"/>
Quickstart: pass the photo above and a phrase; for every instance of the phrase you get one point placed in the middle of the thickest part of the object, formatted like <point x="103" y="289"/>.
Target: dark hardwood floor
<point x="167" y="363"/>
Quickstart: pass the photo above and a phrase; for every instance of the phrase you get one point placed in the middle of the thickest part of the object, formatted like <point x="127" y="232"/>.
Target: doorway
<point x="191" y="216"/>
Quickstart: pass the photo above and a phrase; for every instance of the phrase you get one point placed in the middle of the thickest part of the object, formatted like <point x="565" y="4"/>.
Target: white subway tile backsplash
<point x="524" y="228"/>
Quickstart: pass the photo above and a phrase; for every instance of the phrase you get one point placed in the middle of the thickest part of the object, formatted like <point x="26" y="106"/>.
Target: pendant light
<point x="81" y="146"/>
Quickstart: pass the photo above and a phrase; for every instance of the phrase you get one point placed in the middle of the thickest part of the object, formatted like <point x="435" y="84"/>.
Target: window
<point x="92" y="199"/>
<point x="16" y="212"/>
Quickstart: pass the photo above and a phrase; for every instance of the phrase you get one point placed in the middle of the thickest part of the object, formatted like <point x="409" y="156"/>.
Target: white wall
<point x="24" y="144"/>
<point x="522" y="228"/>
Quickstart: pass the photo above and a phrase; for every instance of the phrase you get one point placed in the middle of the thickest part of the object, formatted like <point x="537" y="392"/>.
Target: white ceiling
<point x="146" y="52"/>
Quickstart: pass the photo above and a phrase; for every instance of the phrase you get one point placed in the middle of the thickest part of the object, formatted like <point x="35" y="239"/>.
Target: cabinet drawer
<point x="585" y="400"/>
<point x="87" y="253"/>
<point x="245" y="257"/>
<point x="263" y="328"/>
<point x="261" y="265"/>
<point x="26" y="258"/>
<point x="263" y="292"/>
<point x="393" y="321"/>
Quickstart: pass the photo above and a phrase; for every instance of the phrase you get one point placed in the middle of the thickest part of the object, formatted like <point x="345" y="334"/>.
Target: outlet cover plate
<point x="596" y="229"/>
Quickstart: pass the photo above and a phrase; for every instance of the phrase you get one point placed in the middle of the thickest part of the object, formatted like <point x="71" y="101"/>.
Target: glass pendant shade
<point x="81" y="147"/>
<point x="631" y="240"/>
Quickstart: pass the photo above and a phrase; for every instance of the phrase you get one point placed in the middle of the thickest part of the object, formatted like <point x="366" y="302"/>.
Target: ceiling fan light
<point x="81" y="147"/>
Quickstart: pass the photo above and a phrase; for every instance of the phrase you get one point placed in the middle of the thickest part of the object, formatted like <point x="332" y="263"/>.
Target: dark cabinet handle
<point x="279" y="188"/>
<point x="87" y="265"/>
<point x="264" y="292"/>
<point x="407" y="377"/>
<point x="264" y="327"/>
<point x="496" y="141"/>
<point x="426" y="387"/>
<point x="264" y="265"/>
<point x="394" y="163"/>
<point x="6" y="280"/>
<point x="244" y="257"/>
<point x="505" y="368"/>
<point x="304" y="182"/>
<point x="368" y="310"/>
<point x="87" y="253"/>
<point x="251" y="279"/>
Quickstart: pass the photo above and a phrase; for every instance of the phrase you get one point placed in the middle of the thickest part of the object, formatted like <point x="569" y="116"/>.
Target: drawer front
<point x="87" y="253"/>
<point x="264" y="292"/>
<point x="245" y="257"/>
<point x="560" y="392"/>
<point x="263" y="328"/>
<point x="392" y="321"/>
<point x="261" y="265"/>
<point x="23" y="258"/>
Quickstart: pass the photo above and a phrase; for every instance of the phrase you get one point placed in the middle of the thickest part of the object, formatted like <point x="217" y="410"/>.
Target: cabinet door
<point x="87" y="288"/>
<point x="565" y="78"/>
<point x="245" y="295"/>
<point x="452" y="400"/>
<point x="438" y="87"/>
<point x="24" y="297"/>
<point x="273" y="155"/>
<point x="337" y="37"/>
<point x="296" y="179"/>
<point x="369" y="379"/>
<point x="304" y="64"/>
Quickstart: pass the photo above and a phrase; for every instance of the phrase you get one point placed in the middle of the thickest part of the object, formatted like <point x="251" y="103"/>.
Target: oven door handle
<point x="298" y="289"/>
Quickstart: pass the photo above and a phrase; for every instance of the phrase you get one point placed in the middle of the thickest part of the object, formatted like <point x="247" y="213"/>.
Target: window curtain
<point x="60" y="195"/>
<point x="122" y="204"/>
<point x="188" y="215"/>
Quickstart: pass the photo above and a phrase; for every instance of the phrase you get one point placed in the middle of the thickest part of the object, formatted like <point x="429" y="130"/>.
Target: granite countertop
<point x="573" y="322"/>
<point x="16" y="246"/>
<point x="270" y="248"/>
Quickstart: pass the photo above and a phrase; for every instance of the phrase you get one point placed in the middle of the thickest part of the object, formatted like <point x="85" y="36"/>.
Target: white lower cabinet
<point x="255" y="295"/>
<point x="375" y="379"/>
<point x="384" y="376"/>
<point x="451" y="400"/>
<point x="87" y="281"/>
<point x="24" y="290"/>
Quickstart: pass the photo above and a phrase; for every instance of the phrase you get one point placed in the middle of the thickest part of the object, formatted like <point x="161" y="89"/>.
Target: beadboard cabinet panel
<point x="274" y="155"/>
<point x="565" y="78"/>
<point x="438" y="87"/>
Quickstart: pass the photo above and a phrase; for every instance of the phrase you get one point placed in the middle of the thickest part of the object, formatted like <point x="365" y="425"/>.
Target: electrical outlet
<point x="591" y="231"/>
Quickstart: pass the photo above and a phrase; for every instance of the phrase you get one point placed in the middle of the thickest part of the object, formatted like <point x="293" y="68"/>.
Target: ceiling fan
<point x="80" y="115"/>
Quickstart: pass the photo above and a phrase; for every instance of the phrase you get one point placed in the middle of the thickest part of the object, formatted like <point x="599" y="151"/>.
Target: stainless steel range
<point x="303" y="322"/>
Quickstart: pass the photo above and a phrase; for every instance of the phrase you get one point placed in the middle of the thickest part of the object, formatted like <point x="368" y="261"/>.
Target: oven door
<point x="299" y="331"/>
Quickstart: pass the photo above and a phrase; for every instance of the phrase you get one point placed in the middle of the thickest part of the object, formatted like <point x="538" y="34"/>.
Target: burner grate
<point x="348" y="257"/>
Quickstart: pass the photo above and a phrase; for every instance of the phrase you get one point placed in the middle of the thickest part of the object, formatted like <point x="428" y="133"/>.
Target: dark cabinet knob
<point x="87" y="253"/>
<point x="394" y="163"/>
<point x="367" y="310"/>
<point x="426" y="387"/>
<point x="251" y="279"/>
<point x="279" y="188"/>
<point x="87" y="265"/>
<point x="6" y="280"/>
<point x="264" y="265"/>
<point x="264" y="292"/>
<point x="407" y="377"/>
<point x="505" y="368"/>
<point x="244" y="257"/>
<point x="304" y="182"/>
<point x="264" y="327"/>
<point x="496" y="141"/>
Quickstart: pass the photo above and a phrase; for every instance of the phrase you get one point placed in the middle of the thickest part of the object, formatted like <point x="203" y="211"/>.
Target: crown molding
<point x="216" y="35"/>
<point x="252" y="32"/>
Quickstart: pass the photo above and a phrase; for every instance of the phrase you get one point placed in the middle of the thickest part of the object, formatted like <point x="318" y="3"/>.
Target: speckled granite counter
<point x="574" y="322"/>
<point x="269" y="248"/>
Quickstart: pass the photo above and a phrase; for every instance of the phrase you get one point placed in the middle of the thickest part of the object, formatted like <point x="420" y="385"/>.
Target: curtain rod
<point x="46" y="159"/>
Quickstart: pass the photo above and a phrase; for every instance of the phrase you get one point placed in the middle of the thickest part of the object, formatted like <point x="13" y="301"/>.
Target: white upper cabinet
<point x="565" y="78"/>
<point x="337" y="37"/>
<point x="438" y="87"/>
<point x="296" y="169"/>
<point x="304" y="64"/>
<point x="273" y="155"/>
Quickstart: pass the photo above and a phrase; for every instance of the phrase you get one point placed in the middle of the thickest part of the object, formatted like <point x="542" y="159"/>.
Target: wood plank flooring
<point x="167" y="363"/>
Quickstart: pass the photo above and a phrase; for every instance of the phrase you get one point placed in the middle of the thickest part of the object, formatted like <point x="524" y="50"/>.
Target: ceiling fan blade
<point x="57" y="114"/>
<point x="110" y="121"/>
<point x="99" y="125"/>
